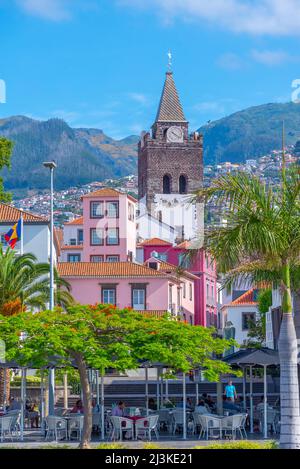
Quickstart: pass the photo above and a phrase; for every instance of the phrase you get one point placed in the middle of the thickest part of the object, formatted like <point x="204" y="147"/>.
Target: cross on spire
<point x="170" y="61"/>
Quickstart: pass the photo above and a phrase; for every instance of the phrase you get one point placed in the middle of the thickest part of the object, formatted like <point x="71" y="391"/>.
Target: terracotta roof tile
<point x="247" y="298"/>
<point x="107" y="192"/>
<point x="155" y="242"/>
<point x="107" y="270"/>
<point x="184" y="245"/>
<point x="76" y="221"/>
<point x="10" y="214"/>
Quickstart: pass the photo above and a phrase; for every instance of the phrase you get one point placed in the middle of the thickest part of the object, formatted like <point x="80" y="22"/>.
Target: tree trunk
<point x="4" y="380"/>
<point x="289" y="388"/>
<point x="87" y="404"/>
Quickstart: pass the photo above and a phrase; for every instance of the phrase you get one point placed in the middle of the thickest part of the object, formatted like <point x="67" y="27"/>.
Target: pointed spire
<point x="170" y="109"/>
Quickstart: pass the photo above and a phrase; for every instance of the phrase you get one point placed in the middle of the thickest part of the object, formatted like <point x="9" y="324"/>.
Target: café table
<point x="134" y="419"/>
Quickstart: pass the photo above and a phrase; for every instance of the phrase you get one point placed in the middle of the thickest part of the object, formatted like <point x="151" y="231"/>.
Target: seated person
<point x="189" y="404"/>
<point x="230" y="406"/>
<point x="119" y="410"/>
<point x="13" y="404"/>
<point x="168" y="404"/>
<point x="78" y="407"/>
<point x="34" y="414"/>
<point x="151" y="404"/>
<point x="211" y="404"/>
<point x="95" y="407"/>
<point x="201" y="408"/>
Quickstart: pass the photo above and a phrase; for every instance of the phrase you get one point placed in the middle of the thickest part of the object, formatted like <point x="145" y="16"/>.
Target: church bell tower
<point x="170" y="166"/>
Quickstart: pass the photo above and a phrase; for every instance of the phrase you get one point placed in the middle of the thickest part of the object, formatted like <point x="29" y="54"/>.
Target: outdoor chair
<point x="197" y="421"/>
<point x="96" y="420"/>
<point x="120" y="425"/>
<point x="6" y="427"/>
<point x="165" y="419"/>
<point x="209" y="424"/>
<point x="232" y="424"/>
<point x="146" y="426"/>
<point x="272" y="419"/>
<point x="177" y="420"/>
<point x="60" y="411"/>
<point x="15" y="424"/>
<point x="75" y="426"/>
<point x="56" y="426"/>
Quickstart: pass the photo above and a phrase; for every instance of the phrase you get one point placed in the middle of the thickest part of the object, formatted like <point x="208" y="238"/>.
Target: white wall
<point x="36" y="240"/>
<point x="234" y="315"/>
<point x="150" y="227"/>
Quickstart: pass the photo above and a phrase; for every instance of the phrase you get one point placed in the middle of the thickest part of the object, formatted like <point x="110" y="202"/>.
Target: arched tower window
<point x="166" y="184"/>
<point x="182" y="185"/>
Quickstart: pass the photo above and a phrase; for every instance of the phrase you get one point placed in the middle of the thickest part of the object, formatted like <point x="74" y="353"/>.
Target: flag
<point x="14" y="234"/>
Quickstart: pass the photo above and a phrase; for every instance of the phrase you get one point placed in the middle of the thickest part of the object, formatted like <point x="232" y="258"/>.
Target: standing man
<point x="230" y="392"/>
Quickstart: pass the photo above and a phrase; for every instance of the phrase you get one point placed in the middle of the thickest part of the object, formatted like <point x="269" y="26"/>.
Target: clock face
<point x="175" y="134"/>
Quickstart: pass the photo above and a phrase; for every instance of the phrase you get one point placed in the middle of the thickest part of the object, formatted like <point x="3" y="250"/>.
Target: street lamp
<point x="52" y="166"/>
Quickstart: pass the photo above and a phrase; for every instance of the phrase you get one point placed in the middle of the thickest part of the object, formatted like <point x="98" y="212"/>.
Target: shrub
<point x="30" y="381"/>
<point x="241" y="445"/>
<point x="151" y="446"/>
<point x="111" y="446"/>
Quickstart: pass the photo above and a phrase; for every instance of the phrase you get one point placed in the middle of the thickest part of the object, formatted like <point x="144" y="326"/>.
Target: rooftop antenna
<point x="170" y="61"/>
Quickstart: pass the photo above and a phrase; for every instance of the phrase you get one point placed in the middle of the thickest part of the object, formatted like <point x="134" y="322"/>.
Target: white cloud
<point x="272" y="57"/>
<point x="230" y="61"/>
<point x="138" y="98"/>
<point x="270" y="17"/>
<point x="54" y="10"/>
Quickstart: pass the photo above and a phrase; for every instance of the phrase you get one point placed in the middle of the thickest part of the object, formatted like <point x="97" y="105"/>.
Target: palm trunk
<point x="289" y="388"/>
<point x="87" y="405"/>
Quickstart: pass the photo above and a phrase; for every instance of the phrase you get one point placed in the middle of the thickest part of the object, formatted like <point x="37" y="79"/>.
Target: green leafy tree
<point x="261" y="242"/>
<point x="6" y="147"/>
<point x="257" y="328"/>
<point x="104" y="337"/>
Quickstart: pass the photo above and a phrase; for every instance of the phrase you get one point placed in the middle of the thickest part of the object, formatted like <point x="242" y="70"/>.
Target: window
<point x="112" y="209"/>
<point x="112" y="258"/>
<point x="182" y="185"/>
<point x="97" y="237"/>
<point x="178" y="298"/>
<point x="159" y="255"/>
<point x="112" y="236"/>
<point x="109" y="296"/>
<point x="212" y="292"/>
<point x="3" y="240"/>
<point x="96" y="259"/>
<point x="183" y="261"/>
<point x="96" y="210"/>
<point x="80" y="237"/>
<point x="130" y="212"/>
<point x="247" y="319"/>
<point x="153" y="265"/>
<point x="166" y="184"/>
<point x="74" y="257"/>
<point x="73" y="242"/>
<point x="139" y="299"/>
<point x="170" y="296"/>
<point x="191" y="292"/>
<point x="184" y="289"/>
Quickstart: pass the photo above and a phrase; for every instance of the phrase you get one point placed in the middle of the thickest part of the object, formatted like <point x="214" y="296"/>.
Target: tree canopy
<point x="6" y="147"/>
<point x="102" y="337"/>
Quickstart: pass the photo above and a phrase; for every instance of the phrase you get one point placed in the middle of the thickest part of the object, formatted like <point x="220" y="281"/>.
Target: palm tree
<point x="24" y="285"/>
<point x="260" y="241"/>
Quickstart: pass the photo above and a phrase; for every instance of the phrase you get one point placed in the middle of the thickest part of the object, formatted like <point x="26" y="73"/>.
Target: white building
<point x="238" y="314"/>
<point x="36" y="233"/>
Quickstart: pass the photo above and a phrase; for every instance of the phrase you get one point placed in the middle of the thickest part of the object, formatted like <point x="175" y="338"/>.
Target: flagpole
<point x="22" y="236"/>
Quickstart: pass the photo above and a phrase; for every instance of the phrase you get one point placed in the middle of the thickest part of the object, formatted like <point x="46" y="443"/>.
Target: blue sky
<point x="101" y="63"/>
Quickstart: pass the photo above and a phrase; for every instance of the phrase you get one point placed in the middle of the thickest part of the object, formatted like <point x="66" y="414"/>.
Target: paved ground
<point x="34" y="440"/>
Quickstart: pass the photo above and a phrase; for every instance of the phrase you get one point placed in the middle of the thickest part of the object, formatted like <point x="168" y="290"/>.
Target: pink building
<point x="105" y="233"/>
<point x="201" y="267"/>
<point x="154" y="288"/>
